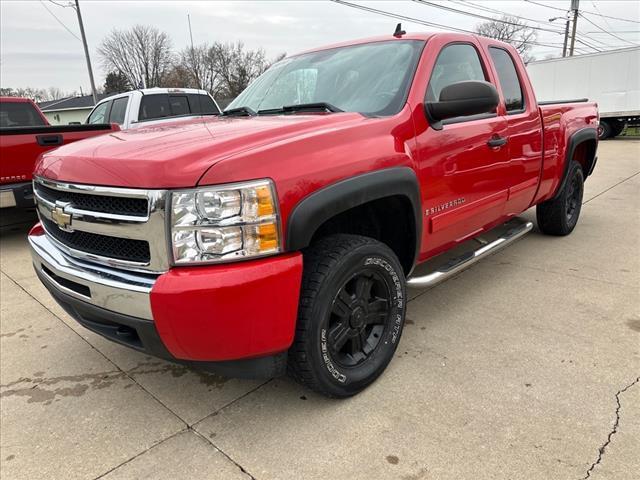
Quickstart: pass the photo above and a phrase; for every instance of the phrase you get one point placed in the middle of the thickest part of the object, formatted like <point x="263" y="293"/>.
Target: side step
<point x="516" y="228"/>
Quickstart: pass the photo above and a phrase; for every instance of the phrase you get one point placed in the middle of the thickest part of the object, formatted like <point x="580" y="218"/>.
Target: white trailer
<point x="612" y="79"/>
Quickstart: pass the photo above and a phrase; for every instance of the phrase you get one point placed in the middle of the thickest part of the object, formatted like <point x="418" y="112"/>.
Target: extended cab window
<point x="100" y="113"/>
<point x="179" y="105"/>
<point x="19" y="114"/>
<point x="203" y="104"/>
<point x="118" y="110"/>
<point x="154" y="106"/>
<point x="509" y="81"/>
<point x="456" y="63"/>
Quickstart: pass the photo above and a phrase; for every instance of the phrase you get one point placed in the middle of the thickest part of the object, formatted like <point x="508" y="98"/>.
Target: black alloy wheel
<point x="350" y="316"/>
<point x="358" y="318"/>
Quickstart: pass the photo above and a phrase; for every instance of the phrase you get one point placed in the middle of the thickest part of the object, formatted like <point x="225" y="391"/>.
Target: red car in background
<point x="25" y="134"/>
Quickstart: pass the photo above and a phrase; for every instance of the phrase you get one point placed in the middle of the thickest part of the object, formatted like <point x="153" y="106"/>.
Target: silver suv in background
<point x="153" y="105"/>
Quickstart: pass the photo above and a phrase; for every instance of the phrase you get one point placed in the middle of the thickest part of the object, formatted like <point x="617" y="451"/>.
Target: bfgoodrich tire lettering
<point x="351" y="314"/>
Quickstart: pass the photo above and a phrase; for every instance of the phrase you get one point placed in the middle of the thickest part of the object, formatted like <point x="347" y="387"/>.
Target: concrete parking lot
<point x="525" y="366"/>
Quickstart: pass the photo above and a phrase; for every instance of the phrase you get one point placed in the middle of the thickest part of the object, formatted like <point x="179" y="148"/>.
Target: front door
<point x="463" y="166"/>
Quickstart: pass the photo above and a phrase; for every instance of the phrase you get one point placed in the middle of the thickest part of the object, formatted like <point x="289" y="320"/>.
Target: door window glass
<point x="99" y="114"/>
<point x="509" y="81"/>
<point x="456" y="63"/>
<point x="118" y="110"/>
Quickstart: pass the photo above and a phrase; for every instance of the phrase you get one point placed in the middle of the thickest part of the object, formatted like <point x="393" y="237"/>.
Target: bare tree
<point x="512" y="30"/>
<point x="236" y="66"/>
<point x="224" y="69"/>
<point x="54" y="93"/>
<point x="142" y="54"/>
<point x="198" y="62"/>
<point x="36" y="94"/>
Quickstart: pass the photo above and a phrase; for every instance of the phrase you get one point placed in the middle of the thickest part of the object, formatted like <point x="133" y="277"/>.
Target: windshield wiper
<point x="302" y="107"/>
<point x="239" y="111"/>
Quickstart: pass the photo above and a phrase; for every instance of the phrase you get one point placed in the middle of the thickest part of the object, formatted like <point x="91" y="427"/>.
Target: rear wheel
<point x="616" y="128"/>
<point x="604" y="130"/>
<point x="559" y="216"/>
<point x="351" y="315"/>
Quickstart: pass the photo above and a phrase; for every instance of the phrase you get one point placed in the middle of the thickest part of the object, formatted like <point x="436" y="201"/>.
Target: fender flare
<point x="318" y="207"/>
<point x="578" y="137"/>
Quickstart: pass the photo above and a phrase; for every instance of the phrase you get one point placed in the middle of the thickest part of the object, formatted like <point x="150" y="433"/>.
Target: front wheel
<point x="351" y="315"/>
<point x="559" y="216"/>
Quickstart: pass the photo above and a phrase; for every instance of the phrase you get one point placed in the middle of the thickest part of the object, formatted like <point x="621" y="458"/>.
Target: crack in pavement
<point x="610" y="188"/>
<point x="242" y="469"/>
<point x="159" y="442"/>
<point x="613" y="431"/>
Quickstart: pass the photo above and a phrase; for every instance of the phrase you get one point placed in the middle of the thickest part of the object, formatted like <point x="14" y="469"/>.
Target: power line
<point x="59" y="21"/>
<point x="424" y="22"/>
<point x="584" y="11"/>
<point x="598" y="10"/>
<point x="560" y="31"/>
<point x="500" y="12"/>
<point x="548" y="6"/>
<point x="613" y="31"/>
<point x="462" y="12"/>
<point x="59" y="5"/>
<point x="603" y="30"/>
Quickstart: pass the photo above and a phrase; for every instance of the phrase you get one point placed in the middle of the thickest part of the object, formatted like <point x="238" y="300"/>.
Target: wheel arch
<point x="582" y="147"/>
<point x="368" y="190"/>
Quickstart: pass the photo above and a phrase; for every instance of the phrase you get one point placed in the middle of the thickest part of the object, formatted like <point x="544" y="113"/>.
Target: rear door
<point x="524" y="130"/>
<point x="464" y="178"/>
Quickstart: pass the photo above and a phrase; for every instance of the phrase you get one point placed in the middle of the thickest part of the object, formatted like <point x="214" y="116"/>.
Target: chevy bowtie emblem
<point x="62" y="219"/>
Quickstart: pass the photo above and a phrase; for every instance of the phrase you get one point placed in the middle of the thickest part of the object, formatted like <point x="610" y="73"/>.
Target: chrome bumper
<point x="112" y="289"/>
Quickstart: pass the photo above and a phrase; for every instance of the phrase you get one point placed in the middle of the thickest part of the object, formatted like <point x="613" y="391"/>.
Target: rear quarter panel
<point x="559" y="123"/>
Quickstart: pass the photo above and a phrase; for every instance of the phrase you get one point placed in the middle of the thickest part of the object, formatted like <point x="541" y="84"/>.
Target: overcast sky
<point x="37" y="51"/>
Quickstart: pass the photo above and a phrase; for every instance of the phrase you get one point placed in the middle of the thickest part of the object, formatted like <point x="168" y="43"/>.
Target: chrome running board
<point x="516" y="229"/>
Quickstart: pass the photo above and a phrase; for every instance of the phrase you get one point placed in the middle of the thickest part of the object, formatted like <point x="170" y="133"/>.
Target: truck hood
<point x="177" y="154"/>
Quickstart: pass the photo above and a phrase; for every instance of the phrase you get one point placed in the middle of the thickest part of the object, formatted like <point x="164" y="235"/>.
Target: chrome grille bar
<point x="150" y="228"/>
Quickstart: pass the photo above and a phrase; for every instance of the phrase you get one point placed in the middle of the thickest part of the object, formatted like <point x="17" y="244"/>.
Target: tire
<point x="559" y="216"/>
<point x="350" y="317"/>
<point x="604" y="130"/>
<point x="616" y="128"/>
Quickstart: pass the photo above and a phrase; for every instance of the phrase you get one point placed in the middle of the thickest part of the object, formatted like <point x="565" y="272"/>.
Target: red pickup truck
<point x="282" y="235"/>
<point x="25" y="133"/>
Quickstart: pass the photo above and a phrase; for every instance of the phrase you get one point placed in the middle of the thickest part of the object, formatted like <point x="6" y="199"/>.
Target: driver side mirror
<point x="470" y="97"/>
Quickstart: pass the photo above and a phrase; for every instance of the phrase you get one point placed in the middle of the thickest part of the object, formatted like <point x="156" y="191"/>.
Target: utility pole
<point x="86" y="54"/>
<point x="566" y="38"/>
<point x="574" y="7"/>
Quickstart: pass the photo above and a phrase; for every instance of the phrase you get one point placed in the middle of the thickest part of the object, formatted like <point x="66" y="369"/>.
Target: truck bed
<point x="560" y="121"/>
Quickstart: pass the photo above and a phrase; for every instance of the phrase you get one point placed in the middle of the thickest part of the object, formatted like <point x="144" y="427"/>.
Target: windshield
<point x="371" y="79"/>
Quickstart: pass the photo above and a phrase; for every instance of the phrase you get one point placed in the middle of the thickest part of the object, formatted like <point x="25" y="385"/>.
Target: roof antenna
<point x="399" y="32"/>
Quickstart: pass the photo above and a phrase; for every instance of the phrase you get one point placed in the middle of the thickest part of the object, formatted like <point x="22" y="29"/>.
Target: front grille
<point x="103" y="245"/>
<point x="137" y="207"/>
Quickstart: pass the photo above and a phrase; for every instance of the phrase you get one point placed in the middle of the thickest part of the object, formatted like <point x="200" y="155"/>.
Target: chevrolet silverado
<point x="282" y="235"/>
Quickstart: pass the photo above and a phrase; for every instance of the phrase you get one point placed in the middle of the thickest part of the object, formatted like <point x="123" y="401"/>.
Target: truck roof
<point x="424" y="36"/>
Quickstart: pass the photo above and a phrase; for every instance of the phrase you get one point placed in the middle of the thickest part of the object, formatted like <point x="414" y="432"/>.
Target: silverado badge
<point x="61" y="218"/>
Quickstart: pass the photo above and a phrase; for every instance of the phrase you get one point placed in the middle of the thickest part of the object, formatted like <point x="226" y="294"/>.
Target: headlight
<point x="224" y="222"/>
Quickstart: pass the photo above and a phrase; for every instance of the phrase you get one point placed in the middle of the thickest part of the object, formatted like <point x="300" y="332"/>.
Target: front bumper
<point x="222" y="313"/>
<point x="19" y="195"/>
